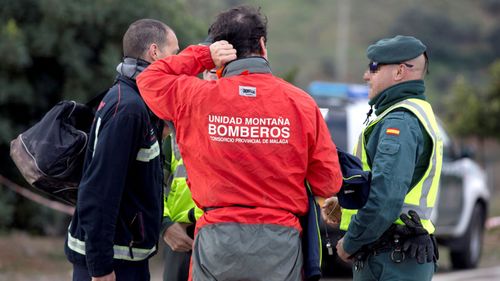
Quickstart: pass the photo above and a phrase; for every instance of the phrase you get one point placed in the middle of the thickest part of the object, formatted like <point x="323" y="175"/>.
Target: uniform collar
<point x="246" y="66"/>
<point x="131" y="67"/>
<point x="396" y="93"/>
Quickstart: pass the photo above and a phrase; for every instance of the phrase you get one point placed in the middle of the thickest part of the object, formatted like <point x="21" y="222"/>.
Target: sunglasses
<point x="374" y="66"/>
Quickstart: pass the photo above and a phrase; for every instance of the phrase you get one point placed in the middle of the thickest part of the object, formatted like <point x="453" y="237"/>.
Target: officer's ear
<point x="400" y="72"/>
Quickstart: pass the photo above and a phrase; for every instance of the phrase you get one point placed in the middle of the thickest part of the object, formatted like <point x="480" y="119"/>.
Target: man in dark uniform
<point x="116" y="224"/>
<point x="403" y="150"/>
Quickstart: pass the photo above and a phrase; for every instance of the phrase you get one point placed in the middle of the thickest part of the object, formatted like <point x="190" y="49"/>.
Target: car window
<point x="336" y="120"/>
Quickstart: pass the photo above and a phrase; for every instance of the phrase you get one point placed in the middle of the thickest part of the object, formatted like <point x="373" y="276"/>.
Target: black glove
<point x="412" y="226"/>
<point x="417" y="241"/>
<point x="419" y="247"/>
<point x="436" y="249"/>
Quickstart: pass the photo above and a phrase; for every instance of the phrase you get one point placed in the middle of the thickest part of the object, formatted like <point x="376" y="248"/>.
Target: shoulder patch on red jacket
<point x="247" y="91"/>
<point x="392" y="131"/>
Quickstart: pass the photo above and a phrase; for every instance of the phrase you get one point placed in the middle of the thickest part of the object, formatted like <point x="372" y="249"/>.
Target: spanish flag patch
<point x="392" y="131"/>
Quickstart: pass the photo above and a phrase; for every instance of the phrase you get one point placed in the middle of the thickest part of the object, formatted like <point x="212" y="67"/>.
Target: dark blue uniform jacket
<point x="118" y="214"/>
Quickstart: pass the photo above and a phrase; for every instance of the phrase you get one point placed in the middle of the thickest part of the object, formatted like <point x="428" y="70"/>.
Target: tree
<point x="463" y="112"/>
<point x="492" y="110"/>
<point x="473" y="111"/>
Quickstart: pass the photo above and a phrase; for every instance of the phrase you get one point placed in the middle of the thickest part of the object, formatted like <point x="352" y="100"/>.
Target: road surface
<point x="481" y="274"/>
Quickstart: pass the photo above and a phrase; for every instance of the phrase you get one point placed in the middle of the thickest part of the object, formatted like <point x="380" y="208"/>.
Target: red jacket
<point x="249" y="140"/>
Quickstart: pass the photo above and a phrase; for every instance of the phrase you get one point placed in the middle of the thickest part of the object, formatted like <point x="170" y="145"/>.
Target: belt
<point x="207" y="209"/>
<point x="389" y="241"/>
<point x="392" y="241"/>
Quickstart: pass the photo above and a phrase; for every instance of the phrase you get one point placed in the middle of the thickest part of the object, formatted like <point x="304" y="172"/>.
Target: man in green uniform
<point x="403" y="150"/>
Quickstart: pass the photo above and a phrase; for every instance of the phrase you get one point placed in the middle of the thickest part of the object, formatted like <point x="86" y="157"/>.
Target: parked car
<point x="462" y="204"/>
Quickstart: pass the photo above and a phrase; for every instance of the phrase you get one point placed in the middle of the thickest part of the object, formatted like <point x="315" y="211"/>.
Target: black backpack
<point x="50" y="154"/>
<point x="355" y="182"/>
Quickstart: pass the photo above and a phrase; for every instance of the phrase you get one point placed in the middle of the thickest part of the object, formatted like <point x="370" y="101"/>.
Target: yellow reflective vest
<point x="422" y="195"/>
<point x="178" y="203"/>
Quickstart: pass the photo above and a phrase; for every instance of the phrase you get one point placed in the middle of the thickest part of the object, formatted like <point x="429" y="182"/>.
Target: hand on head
<point x="222" y="52"/>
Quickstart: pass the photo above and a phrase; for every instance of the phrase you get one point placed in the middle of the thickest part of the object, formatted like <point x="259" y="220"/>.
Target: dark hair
<point x="141" y="34"/>
<point x="241" y="26"/>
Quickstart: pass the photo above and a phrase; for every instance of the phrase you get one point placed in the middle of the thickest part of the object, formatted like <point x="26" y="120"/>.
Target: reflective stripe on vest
<point x="120" y="252"/>
<point x="180" y="171"/>
<point x="422" y="196"/>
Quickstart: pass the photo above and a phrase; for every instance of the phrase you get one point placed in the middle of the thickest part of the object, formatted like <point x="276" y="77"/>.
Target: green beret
<point x="395" y="50"/>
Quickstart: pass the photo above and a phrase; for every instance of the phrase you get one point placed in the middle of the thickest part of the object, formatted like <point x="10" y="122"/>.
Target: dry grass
<point x="24" y="257"/>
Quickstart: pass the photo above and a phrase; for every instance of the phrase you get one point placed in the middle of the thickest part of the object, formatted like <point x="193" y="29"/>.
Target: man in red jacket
<point x="249" y="142"/>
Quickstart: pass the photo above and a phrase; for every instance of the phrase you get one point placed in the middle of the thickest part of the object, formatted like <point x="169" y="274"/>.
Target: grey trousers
<point x="247" y="252"/>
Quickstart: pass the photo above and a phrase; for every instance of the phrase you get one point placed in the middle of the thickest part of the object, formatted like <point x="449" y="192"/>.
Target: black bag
<point x="355" y="184"/>
<point x="50" y="154"/>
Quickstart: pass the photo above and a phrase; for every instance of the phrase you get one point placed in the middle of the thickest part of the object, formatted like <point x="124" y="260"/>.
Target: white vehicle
<point x="462" y="205"/>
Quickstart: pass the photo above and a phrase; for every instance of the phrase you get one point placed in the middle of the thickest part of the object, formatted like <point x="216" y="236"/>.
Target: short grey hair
<point x="141" y="34"/>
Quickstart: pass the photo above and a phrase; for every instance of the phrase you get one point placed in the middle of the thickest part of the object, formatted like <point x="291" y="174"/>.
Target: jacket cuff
<point x="166" y="223"/>
<point x="98" y="269"/>
<point x="205" y="58"/>
<point x="350" y="247"/>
